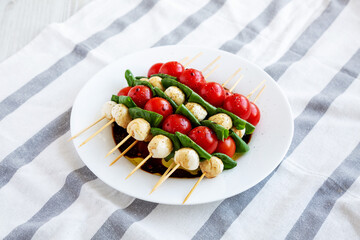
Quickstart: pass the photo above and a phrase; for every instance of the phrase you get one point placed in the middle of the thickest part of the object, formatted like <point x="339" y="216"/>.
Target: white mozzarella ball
<point x="187" y="158"/>
<point x="160" y="146"/>
<point x="175" y="94"/>
<point x="139" y="129"/>
<point x="144" y="79"/>
<point x="212" y="167"/>
<point x="106" y="109"/>
<point x="196" y="109"/>
<point x="222" y="119"/>
<point x="156" y="82"/>
<point x="240" y="132"/>
<point x="121" y="114"/>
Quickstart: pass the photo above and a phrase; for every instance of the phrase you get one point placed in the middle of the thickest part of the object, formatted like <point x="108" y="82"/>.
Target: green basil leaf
<point x="194" y="97"/>
<point x="168" y="82"/>
<point x="126" y="100"/>
<point x="152" y="117"/>
<point x="163" y="95"/>
<point x="227" y="161"/>
<point x="187" y="142"/>
<point x="182" y="110"/>
<point x="221" y="132"/>
<point x="173" y="137"/>
<point x="241" y="145"/>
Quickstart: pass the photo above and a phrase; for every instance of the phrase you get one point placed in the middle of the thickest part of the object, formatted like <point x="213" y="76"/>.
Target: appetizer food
<point x="175" y="123"/>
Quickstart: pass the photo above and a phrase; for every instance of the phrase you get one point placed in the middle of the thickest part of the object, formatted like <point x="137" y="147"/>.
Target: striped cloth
<point x="311" y="48"/>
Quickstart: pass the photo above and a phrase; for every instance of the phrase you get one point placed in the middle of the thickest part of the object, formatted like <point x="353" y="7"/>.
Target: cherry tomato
<point x="238" y="104"/>
<point x="154" y="69"/>
<point x="214" y="93"/>
<point x="140" y="95"/>
<point x="176" y="123"/>
<point x="124" y="91"/>
<point x="172" y="68"/>
<point x="192" y="78"/>
<point x="254" y="117"/>
<point x="205" y="138"/>
<point x="227" y="147"/>
<point x="160" y="106"/>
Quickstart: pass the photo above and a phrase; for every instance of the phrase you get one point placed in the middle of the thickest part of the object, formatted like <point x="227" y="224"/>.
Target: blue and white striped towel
<point x="311" y="48"/>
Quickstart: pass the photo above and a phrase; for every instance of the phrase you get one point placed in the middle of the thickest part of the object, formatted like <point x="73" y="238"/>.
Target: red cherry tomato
<point x="254" y="117"/>
<point x="172" y="68"/>
<point x="238" y="104"/>
<point x="205" y="138"/>
<point x="192" y="78"/>
<point x="140" y="95"/>
<point x="154" y="69"/>
<point x="214" y="93"/>
<point x="176" y="123"/>
<point x="227" y="147"/>
<point x="124" y="91"/>
<point x="160" y="106"/>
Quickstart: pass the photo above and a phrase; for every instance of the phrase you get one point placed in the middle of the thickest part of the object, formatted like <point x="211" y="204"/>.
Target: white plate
<point x="268" y="145"/>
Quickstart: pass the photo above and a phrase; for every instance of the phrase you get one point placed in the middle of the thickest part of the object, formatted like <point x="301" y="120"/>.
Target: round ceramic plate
<point x="268" y="145"/>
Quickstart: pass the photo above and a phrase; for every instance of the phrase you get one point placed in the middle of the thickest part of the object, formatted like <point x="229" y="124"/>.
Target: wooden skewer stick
<point x="124" y="152"/>
<point x="164" y="175"/>
<point x="255" y="89"/>
<point x="98" y="131"/>
<point x="231" y="77"/>
<point x="236" y="83"/>
<point x="184" y="60"/>
<point x="164" y="178"/>
<point x="119" y="144"/>
<point x="139" y="165"/>
<point x="193" y="59"/>
<point x="210" y="64"/>
<point x="256" y="98"/>
<point x="193" y="188"/>
<point x="82" y="131"/>
<point x="211" y="71"/>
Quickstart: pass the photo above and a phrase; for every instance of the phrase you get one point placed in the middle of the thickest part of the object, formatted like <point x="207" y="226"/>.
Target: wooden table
<point x="22" y="20"/>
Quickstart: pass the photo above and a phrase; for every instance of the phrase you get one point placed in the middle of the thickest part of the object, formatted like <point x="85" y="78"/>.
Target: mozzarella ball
<point x="121" y="114"/>
<point x="196" y="109"/>
<point x="240" y="133"/>
<point x="106" y="109"/>
<point x="175" y="94"/>
<point x="222" y="119"/>
<point x="212" y="167"/>
<point x="156" y="82"/>
<point x="187" y="158"/>
<point x="144" y="79"/>
<point x="160" y="146"/>
<point x="139" y="129"/>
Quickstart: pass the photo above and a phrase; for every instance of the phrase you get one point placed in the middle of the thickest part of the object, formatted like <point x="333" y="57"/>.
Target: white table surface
<point x="22" y="20"/>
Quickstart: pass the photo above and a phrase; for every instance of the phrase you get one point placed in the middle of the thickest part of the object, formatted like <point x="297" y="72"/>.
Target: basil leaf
<point x="227" y="161"/>
<point x="241" y="145"/>
<point x="173" y="137"/>
<point x="221" y="132"/>
<point x="168" y="82"/>
<point x="126" y="100"/>
<point x="162" y="75"/>
<point x="163" y="95"/>
<point x="152" y="117"/>
<point x="129" y="78"/>
<point x="187" y="142"/>
<point x="194" y="97"/>
<point x="186" y="112"/>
